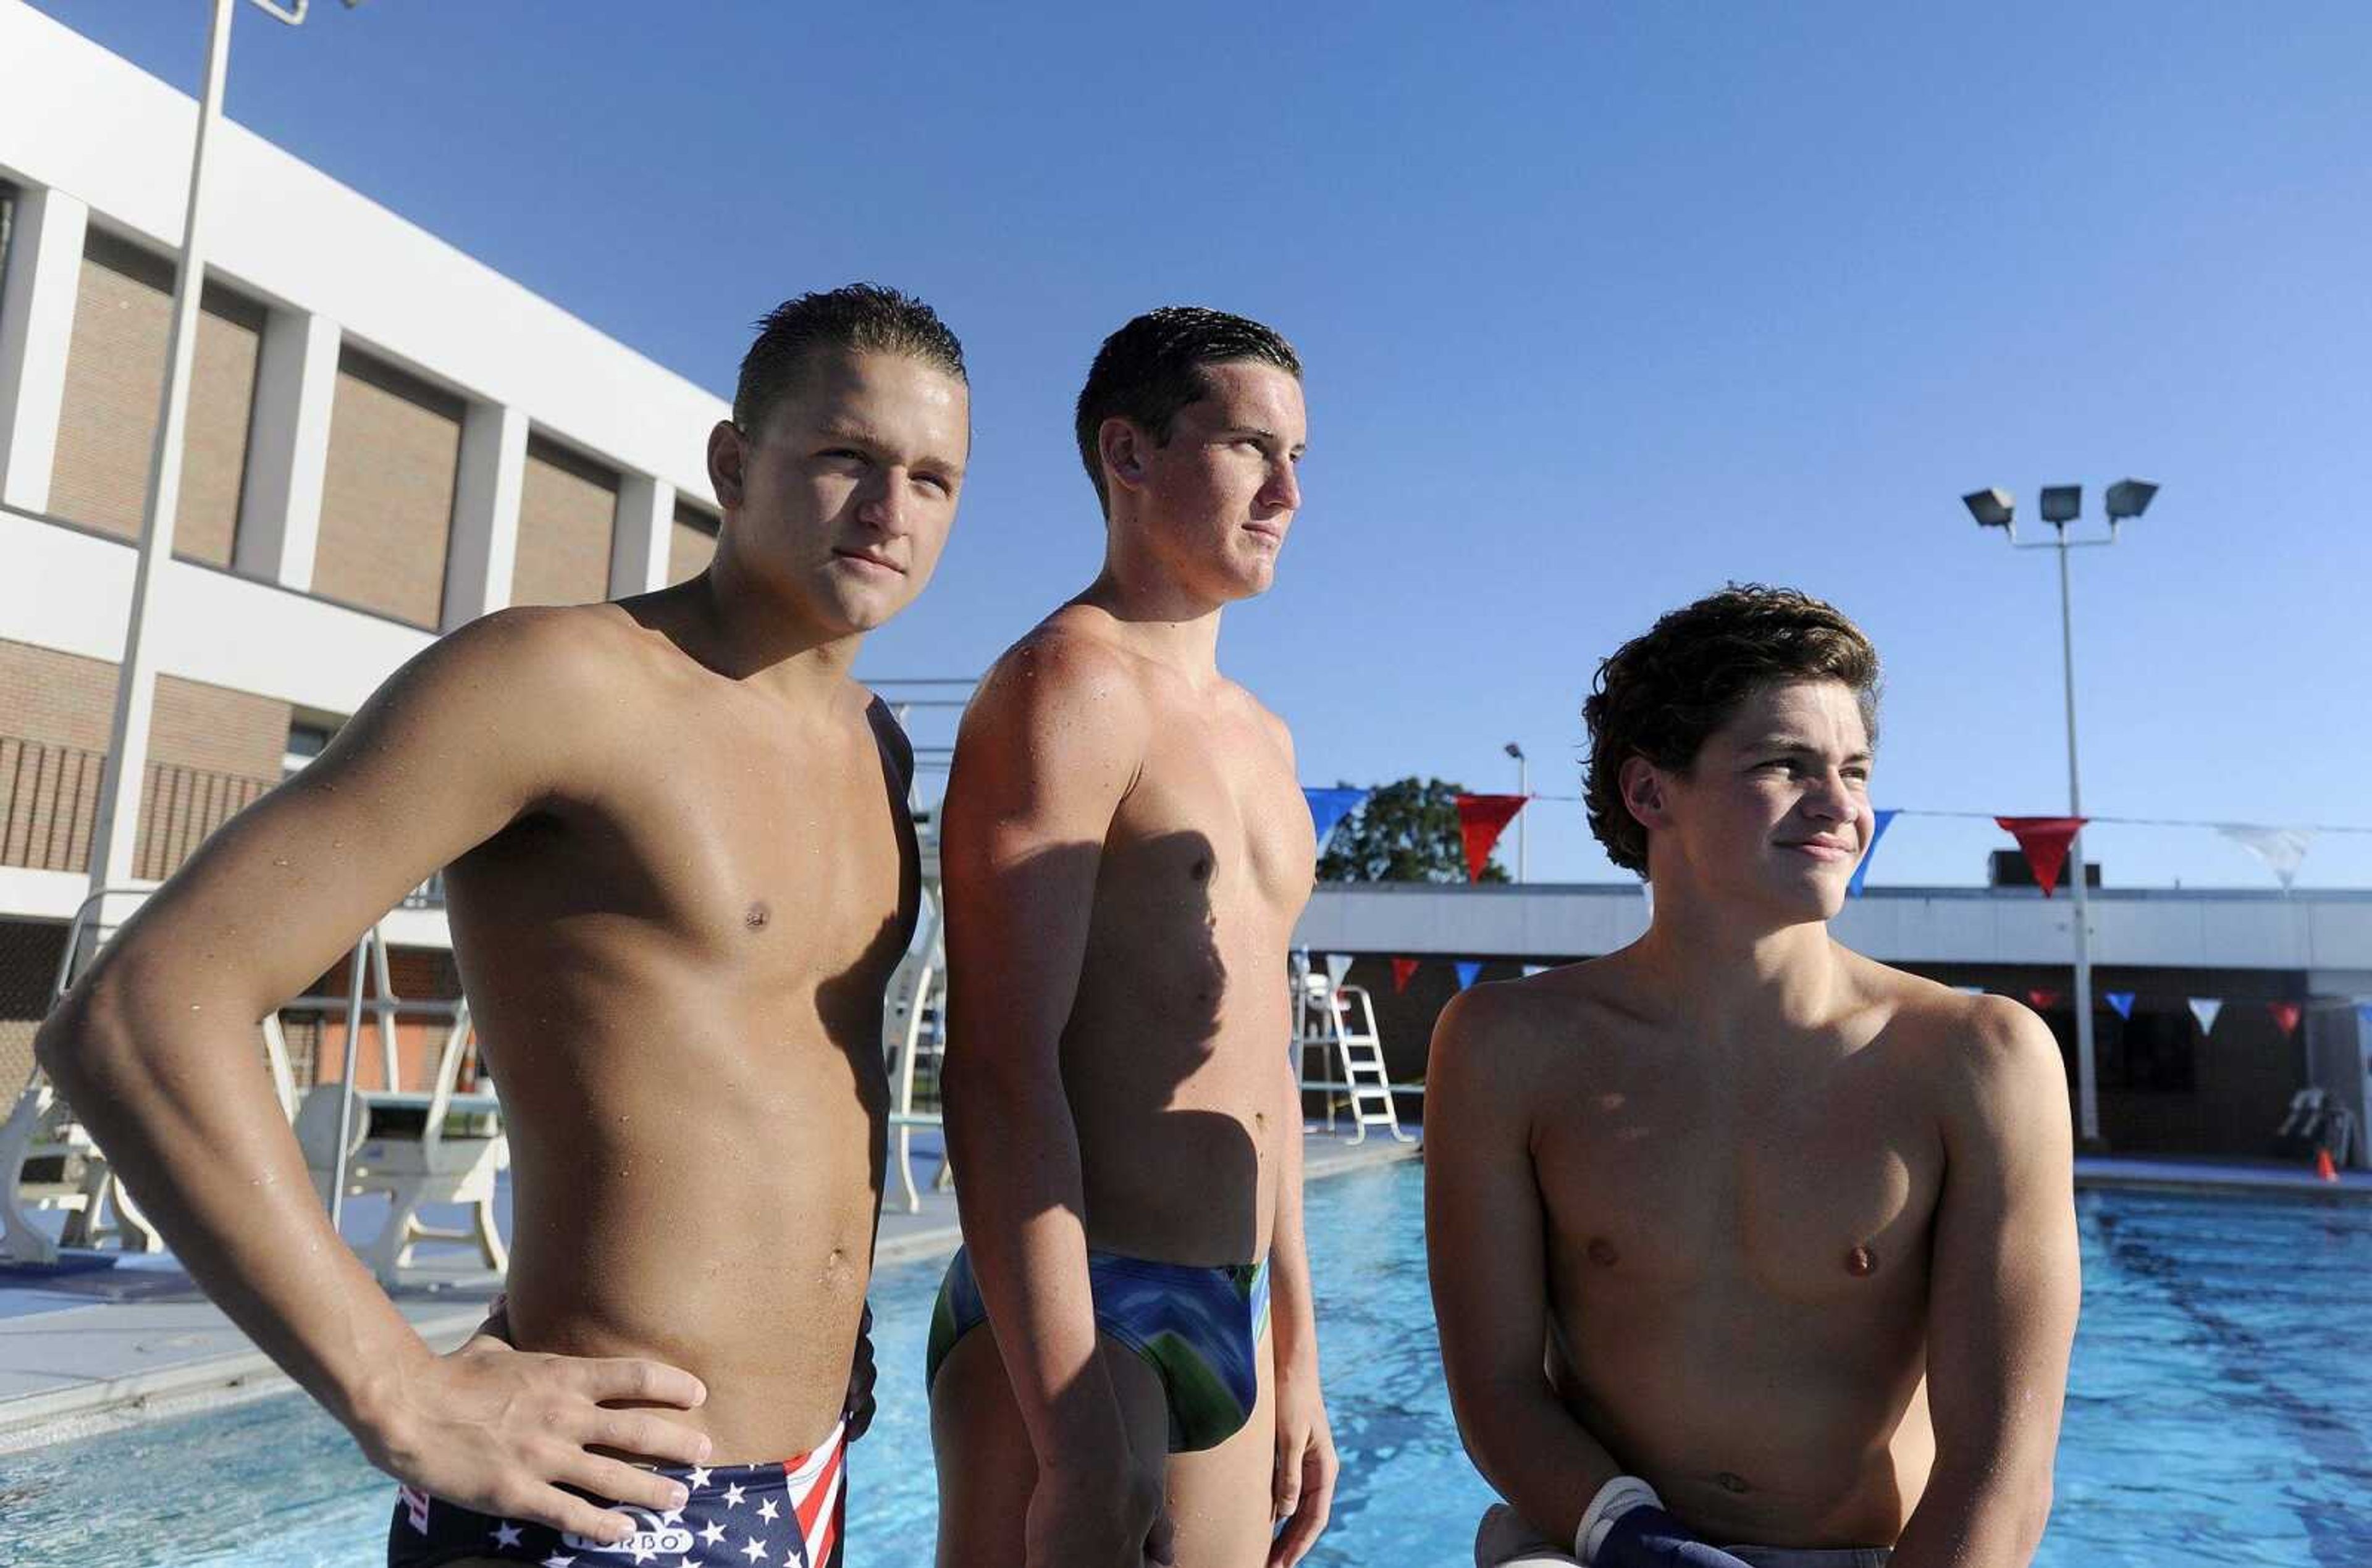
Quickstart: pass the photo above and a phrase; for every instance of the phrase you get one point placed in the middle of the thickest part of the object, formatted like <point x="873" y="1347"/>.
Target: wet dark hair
<point x="1662" y="693"/>
<point x="860" y="317"/>
<point x="1152" y="367"/>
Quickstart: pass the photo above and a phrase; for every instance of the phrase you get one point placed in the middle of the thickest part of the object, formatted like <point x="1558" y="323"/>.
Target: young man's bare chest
<point x="1216" y="816"/>
<point x="1808" y="1180"/>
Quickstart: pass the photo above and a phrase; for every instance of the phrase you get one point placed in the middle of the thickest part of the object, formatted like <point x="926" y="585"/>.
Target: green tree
<point x="1406" y="831"/>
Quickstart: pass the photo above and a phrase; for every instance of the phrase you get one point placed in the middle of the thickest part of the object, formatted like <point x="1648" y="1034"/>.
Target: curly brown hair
<point x="1662" y="693"/>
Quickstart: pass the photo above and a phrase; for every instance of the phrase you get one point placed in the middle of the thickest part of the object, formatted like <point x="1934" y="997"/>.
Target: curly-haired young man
<point x="1795" y="1229"/>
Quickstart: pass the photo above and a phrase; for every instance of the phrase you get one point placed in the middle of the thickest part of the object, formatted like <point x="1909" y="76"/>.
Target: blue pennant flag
<point x="1467" y="970"/>
<point x="2122" y="1001"/>
<point x="1327" y="806"/>
<point x="1861" y="872"/>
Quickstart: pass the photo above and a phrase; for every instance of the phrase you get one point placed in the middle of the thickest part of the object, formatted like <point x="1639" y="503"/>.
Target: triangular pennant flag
<point x="1481" y="819"/>
<point x="1328" y="807"/>
<point x="2364" y="1021"/>
<point x="2285" y="1017"/>
<point x="2122" y="1001"/>
<point x="2282" y="849"/>
<point x="1337" y="966"/>
<point x="1971" y="990"/>
<point x="1467" y="970"/>
<point x="1870" y="852"/>
<point x="2205" y="1009"/>
<point x="2041" y="998"/>
<point x="1402" y="970"/>
<point x="1531" y="970"/>
<point x="2045" y="841"/>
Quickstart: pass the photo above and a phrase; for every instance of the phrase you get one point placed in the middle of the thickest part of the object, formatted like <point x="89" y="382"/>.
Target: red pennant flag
<point x="2286" y="1016"/>
<point x="2043" y="999"/>
<point x="1402" y="970"/>
<point x="2045" y="841"/>
<point x="1481" y="819"/>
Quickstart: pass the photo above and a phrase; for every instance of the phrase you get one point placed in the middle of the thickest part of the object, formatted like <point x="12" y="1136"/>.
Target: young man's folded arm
<point x="2002" y="1296"/>
<point x="1487" y="1244"/>
<point x="157" y="1047"/>
<point x="1051" y="745"/>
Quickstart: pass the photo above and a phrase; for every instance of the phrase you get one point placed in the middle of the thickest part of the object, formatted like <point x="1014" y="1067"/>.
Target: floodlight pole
<point x="2088" y="1079"/>
<point x="115" y="830"/>
<point x="2087" y="1084"/>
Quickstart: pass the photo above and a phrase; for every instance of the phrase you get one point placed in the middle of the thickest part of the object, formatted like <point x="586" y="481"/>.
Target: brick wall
<point x="387" y="493"/>
<point x="219" y="747"/>
<point x="568" y="508"/>
<point x="115" y="374"/>
<point x="692" y="540"/>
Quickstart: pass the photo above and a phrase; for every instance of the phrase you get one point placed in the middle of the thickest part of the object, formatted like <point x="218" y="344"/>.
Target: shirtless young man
<point x="680" y="873"/>
<point x="1124" y="851"/>
<point x="1796" y="1229"/>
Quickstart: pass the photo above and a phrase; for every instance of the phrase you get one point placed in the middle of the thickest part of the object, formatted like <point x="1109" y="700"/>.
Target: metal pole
<point x="114" y="832"/>
<point x="2087" y="1092"/>
<point x="346" y="1083"/>
<point x="1524" y="788"/>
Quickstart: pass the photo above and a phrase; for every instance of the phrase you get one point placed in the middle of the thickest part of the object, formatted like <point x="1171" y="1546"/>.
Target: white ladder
<point x="1326" y="1020"/>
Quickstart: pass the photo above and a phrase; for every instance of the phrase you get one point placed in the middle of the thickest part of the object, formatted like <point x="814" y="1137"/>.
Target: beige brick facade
<point x="692" y="542"/>
<point x="115" y="374"/>
<point x="568" y="510"/>
<point x="387" y="493"/>
<point x="211" y="752"/>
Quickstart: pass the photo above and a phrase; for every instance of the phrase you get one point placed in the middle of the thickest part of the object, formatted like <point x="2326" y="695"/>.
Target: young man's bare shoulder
<point x="1964" y="1038"/>
<point x="1542" y="1023"/>
<point x="1066" y="660"/>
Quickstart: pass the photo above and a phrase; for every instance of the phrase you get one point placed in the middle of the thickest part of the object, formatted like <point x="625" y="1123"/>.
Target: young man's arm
<point x="1303" y="1487"/>
<point x="156" y="1047"/>
<point x="1486" y="1244"/>
<point x="1052" y="743"/>
<point x="2003" y="1293"/>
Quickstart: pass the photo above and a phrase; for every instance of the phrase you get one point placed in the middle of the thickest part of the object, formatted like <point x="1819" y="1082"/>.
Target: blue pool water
<point x="2220" y="1410"/>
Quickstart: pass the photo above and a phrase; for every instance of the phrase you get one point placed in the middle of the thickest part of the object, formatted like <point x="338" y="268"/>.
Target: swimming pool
<point x="2220" y="1411"/>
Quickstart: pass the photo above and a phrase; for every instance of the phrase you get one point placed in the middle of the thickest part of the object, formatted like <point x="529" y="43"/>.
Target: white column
<point x="479" y="561"/>
<point x="37" y="307"/>
<point x="288" y="449"/>
<point x="641" y="536"/>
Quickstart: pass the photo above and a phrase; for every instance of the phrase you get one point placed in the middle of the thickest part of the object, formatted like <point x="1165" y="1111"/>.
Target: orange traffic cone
<point x="2322" y="1166"/>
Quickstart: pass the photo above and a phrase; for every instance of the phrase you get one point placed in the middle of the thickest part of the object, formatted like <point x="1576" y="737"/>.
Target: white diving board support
<point x="441" y="1146"/>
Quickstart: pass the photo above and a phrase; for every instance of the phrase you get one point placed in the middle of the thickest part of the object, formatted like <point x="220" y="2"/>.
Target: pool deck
<point x="87" y="1351"/>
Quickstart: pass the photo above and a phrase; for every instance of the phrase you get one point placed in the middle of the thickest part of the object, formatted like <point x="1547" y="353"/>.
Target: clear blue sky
<point x="1603" y="304"/>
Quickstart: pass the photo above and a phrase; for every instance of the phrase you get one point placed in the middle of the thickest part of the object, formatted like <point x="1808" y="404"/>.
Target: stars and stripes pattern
<point x="777" y="1515"/>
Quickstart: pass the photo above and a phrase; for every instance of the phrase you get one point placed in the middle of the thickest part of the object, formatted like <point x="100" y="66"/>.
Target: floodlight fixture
<point x="2130" y="499"/>
<point x="1515" y="751"/>
<point x="2062" y="504"/>
<point x="1991" y="508"/>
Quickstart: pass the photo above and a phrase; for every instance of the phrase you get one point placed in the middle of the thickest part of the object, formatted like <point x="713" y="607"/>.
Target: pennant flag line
<point x="2122" y="1001"/>
<point x="1481" y="819"/>
<point x="2042" y="998"/>
<point x="2285" y="1017"/>
<point x="2205" y="1009"/>
<point x="1328" y="807"/>
<point x="1467" y="970"/>
<point x="1402" y="970"/>
<point x="2045" y="841"/>
<point x="1337" y="966"/>
<point x="2282" y="849"/>
<point x="1870" y="852"/>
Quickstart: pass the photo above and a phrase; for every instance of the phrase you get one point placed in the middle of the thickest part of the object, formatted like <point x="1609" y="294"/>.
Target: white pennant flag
<point x="2282" y="849"/>
<point x="1531" y="970"/>
<point x="1337" y="966"/>
<point x="2205" y="1009"/>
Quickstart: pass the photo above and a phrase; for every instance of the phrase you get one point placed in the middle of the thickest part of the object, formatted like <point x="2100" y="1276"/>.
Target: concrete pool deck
<point x="110" y="1346"/>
